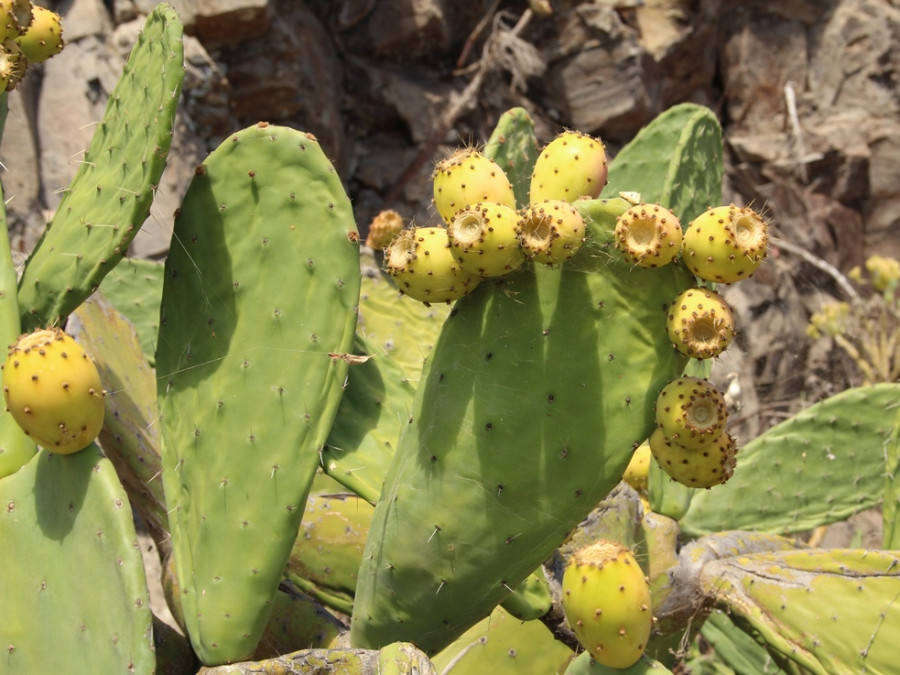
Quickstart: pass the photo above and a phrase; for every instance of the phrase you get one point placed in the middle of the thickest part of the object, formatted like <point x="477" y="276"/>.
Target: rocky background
<point x="806" y="91"/>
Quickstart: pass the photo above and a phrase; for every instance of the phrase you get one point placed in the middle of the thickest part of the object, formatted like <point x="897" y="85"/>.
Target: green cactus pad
<point x="130" y="433"/>
<point x="375" y="407"/>
<point x="820" y="466"/>
<point x="259" y="305"/>
<point x="539" y="388"/>
<point x="16" y="448"/>
<point x="110" y="196"/>
<point x="394" y="324"/>
<point x="891" y="506"/>
<point x="676" y="161"/>
<point x="830" y="611"/>
<point x="503" y="644"/>
<point x="73" y="585"/>
<point x="325" y="559"/>
<point x="583" y="664"/>
<point x="514" y="147"/>
<point x="134" y="287"/>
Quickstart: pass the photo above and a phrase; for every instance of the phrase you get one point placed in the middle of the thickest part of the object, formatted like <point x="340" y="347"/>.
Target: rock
<point x="221" y="23"/>
<point x="20" y="177"/>
<point x="597" y="73"/>
<point x="72" y="100"/>
<point x="291" y="75"/>
<point x="400" y="30"/>
<point x="680" y="37"/>
<point x="84" y="18"/>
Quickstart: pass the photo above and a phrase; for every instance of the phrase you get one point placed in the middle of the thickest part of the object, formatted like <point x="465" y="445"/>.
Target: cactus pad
<point x="259" y="303"/>
<point x="110" y="196"/>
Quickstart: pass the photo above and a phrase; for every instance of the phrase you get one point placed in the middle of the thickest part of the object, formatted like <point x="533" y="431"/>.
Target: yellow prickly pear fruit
<point x="483" y="239"/>
<point x="15" y="18"/>
<point x="383" y="228"/>
<point x="691" y="412"/>
<point x="43" y="38"/>
<point x="13" y="65"/>
<point x="571" y="166"/>
<point x="725" y="244"/>
<point x="703" y="468"/>
<point x="53" y="391"/>
<point x="468" y="177"/>
<point x="420" y="261"/>
<point x="700" y="323"/>
<point x="606" y="599"/>
<point x="638" y="470"/>
<point x="648" y="235"/>
<point x="551" y="232"/>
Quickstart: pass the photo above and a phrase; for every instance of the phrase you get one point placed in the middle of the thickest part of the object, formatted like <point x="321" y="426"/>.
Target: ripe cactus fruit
<point x="483" y="239"/>
<point x="13" y="65"/>
<point x="15" y="17"/>
<point x="383" y="228"/>
<point x="53" y="391"/>
<point x="638" y="469"/>
<point x="572" y="165"/>
<point x="725" y="244"/>
<point x="606" y="599"/>
<point x="551" y="231"/>
<point x="468" y="177"/>
<point x="648" y="235"/>
<point x="420" y="261"/>
<point x="696" y="468"/>
<point x="691" y="412"/>
<point x="43" y="38"/>
<point x="700" y="323"/>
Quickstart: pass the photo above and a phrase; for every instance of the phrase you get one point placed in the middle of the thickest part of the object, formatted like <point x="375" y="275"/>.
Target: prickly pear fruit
<point x="483" y="239"/>
<point x="53" y="391"/>
<point x="570" y="166"/>
<point x="468" y="177"/>
<point x="700" y="323"/>
<point x="551" y="231"/>
<point x="648" y="235"/>
<point x="606" y="599"/>
<point x="43" y="38"/>
<point x="383" y="228"/>
<point x="725" y="244"/>
<point x="420" y="261"/>
<point x="13" y="65"/>
<point x="691" y="412"/>
<point x="700" y="468"/>
<point x="15" y="17"/>
<point x="638" y="470"/>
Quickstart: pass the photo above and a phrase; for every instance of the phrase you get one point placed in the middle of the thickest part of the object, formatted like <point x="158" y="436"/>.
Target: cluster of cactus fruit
<point x="29" y="34"/>
<point x="484" y="235"/>
<point x="315" y="466"/>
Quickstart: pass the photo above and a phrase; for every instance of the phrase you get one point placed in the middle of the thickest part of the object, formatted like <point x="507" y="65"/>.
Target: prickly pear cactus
<point x="530" y="406"/>
<point x="110" y="196"/>
<point x="830" y="611"/>
<point x="820" y="466"/>
<point x="16" y="448"/>
<point x="259" y="305"/>
<point x="513" y="146"/>
<point x="675" y="161"/>
<point x="73" y="585"/>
